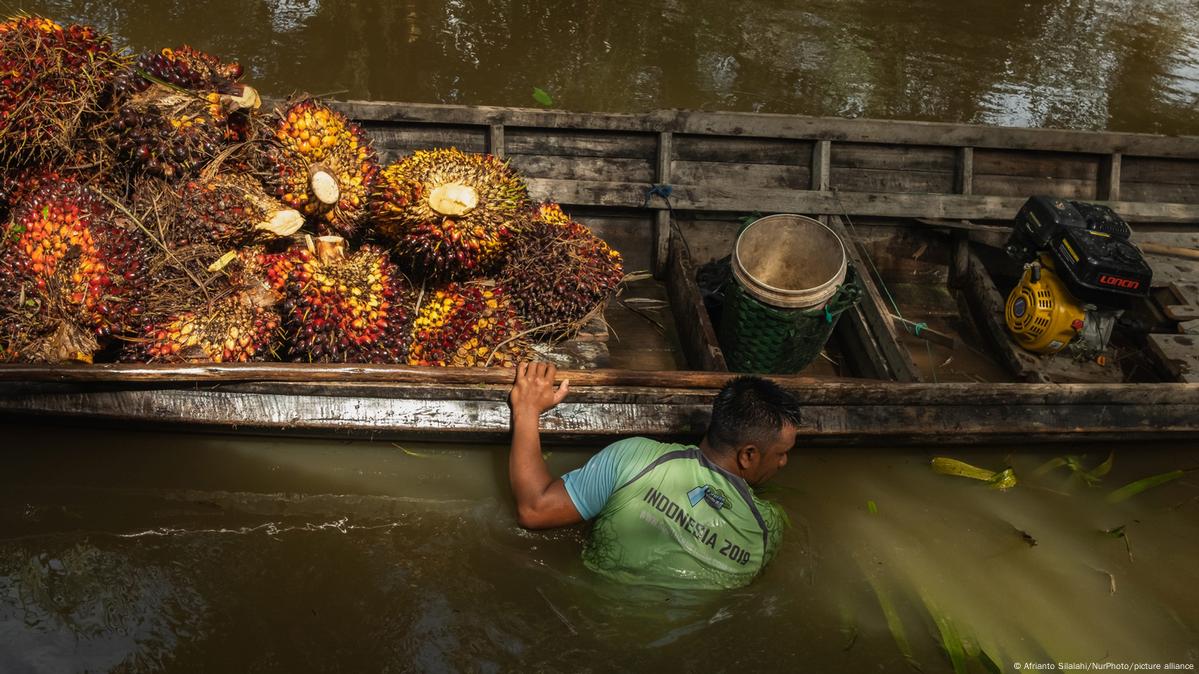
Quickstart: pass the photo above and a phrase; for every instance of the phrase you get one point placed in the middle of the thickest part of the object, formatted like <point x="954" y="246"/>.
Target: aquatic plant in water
<point x="1002" y="480"/>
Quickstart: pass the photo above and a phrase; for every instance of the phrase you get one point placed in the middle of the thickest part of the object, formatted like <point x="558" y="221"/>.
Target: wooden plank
<point x="580" y="143"/>
<point x="1023" y="187"/>
<point x="405" y="139"/>
<point x="1109" y="177"/>
<point x="987" y="308"/>
<point x="495" y="140"/>
<point x="1181" y="194"/>
<point x="748" y="200"/>
<point x="876" y="311"/>
<point x="964" y="176"/>
<point x="891" y="181"/>
<point x="643" y="387"/>
<point x="880" y="156"/>
<point x="559" y="167"/>
<point x="777" y="176"/>
<point x="1187" y="307"/>
<point x="821" y="163"/>
<point x="318" y="372"/>
<point x="737" y="150"/>
<point x="662" y="233"/>
<point x="691" y="318"/>
<point x="786" y="126"/>
<point x="830" y="414"/>
<point x="1179" y="354"/>
<point x="708" y="238"/>
<point x="1046" y="165"/>
<point x="1159" y="170"/>
<point x="629" y="234"/>
<point x="860" y="346"/>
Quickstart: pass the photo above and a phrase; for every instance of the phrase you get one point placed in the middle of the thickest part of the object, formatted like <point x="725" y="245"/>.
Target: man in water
<point x="665" y="514"/>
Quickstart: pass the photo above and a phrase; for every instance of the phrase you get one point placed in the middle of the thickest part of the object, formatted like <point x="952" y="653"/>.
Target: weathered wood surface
<point x="832" y="413"/>
<point x="737" y="162"/>
<point x="987" y="307"/>
<point x="696" y="333"/>
<point x="318" y="372"/>
<point x="876" y="312"/>
<point x="785" y="126"/>
<point x="1179" y="354"/>
<point x="740" y="199"/>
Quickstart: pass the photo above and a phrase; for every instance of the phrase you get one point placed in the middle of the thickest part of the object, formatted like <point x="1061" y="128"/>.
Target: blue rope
<point x="663" y="191"/>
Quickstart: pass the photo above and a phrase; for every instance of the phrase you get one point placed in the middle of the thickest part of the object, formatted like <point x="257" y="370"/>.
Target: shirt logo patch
<point x="714" y="497"/>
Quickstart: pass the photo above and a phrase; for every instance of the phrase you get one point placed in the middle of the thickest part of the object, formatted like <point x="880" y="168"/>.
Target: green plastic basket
<point x="757" y="337"/>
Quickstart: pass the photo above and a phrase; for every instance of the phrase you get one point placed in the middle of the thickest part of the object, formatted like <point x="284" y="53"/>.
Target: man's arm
<point x="541" y="500"/>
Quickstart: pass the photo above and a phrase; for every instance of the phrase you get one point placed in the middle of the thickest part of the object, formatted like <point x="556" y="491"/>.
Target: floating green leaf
<point x="872" y="507"/>
<point x="951" y="639"/>
<point x="1004" y="479"/>
<point x="409" y="452"/>
<point x="542" y="97"/>
<point x="1133" y="488"/>
<point x="894" y="622"/>
<point x="1048" y="466"/>
<point x="1105" y="467"/>
<point x="1092" y="477"/>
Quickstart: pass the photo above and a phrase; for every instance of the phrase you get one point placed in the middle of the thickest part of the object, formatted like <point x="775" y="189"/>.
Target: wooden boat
<point x="924" y="358"/>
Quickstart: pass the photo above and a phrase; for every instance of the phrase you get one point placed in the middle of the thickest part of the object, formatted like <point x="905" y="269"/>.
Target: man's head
<point x="754" y="424"/>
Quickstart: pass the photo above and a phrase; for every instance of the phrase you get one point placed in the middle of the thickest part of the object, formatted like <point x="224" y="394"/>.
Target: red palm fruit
<point x="466" y="325"/>
<point x="345" y="308"/>
<point x="176" y="109"/>
<point x="234" y="328"/>
<point x="449" y="214"/>
<point x="64" y="247"/>
<point x="50" y="78"/>
<point x="559" y="272"/>
<point x="323" y="165"/>
<point x="231" y="211"/>
<point x="41" y="333"/>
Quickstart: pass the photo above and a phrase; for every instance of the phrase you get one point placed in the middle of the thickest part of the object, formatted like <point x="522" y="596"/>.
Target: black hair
<point x="750" y="410"/>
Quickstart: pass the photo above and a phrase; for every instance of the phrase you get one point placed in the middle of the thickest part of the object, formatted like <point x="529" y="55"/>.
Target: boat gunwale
<point x="396" y="379"/>
<point x="783" y="126"/>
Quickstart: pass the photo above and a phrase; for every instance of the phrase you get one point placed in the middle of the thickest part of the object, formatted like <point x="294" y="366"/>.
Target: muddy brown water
<point x="1130" y="65"/>
<point x="149" y="552"/>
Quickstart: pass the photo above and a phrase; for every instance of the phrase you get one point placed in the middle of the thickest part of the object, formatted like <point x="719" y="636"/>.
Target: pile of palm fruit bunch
<point x="154" y="211"/>
<point x="51" y="78"/>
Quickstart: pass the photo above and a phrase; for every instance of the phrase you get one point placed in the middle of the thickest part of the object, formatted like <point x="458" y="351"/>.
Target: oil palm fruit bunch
<point x="50" y="78"/>
<point x="449" y="214"/>
<point x="559" y="272"/>
<point x="17" y="184"/>
<point x="176" y="110"/>
<point x="235" y="328"/>
<point x="323" y="165"/>
<point x="37" y="329"/>
<point x="190" y="69"/>
<point x="345" y="308"/>
<point x="64" y="248"/>
<point x="231" y="210"/>
<point x="466" y="325"/>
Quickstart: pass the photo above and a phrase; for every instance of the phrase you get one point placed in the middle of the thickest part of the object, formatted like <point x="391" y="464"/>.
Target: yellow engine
<point x="1042" y="315"/>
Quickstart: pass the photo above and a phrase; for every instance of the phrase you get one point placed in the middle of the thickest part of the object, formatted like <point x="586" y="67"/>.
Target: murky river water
<point x="1128" y="65"/>
<point x="142" y="552"/>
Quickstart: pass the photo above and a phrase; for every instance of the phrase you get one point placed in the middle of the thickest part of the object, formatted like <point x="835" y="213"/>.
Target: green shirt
<point x="666" y="515"/>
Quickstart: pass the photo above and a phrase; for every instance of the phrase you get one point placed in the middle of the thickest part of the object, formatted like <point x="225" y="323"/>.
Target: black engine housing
<point x="1089" y="245"/>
